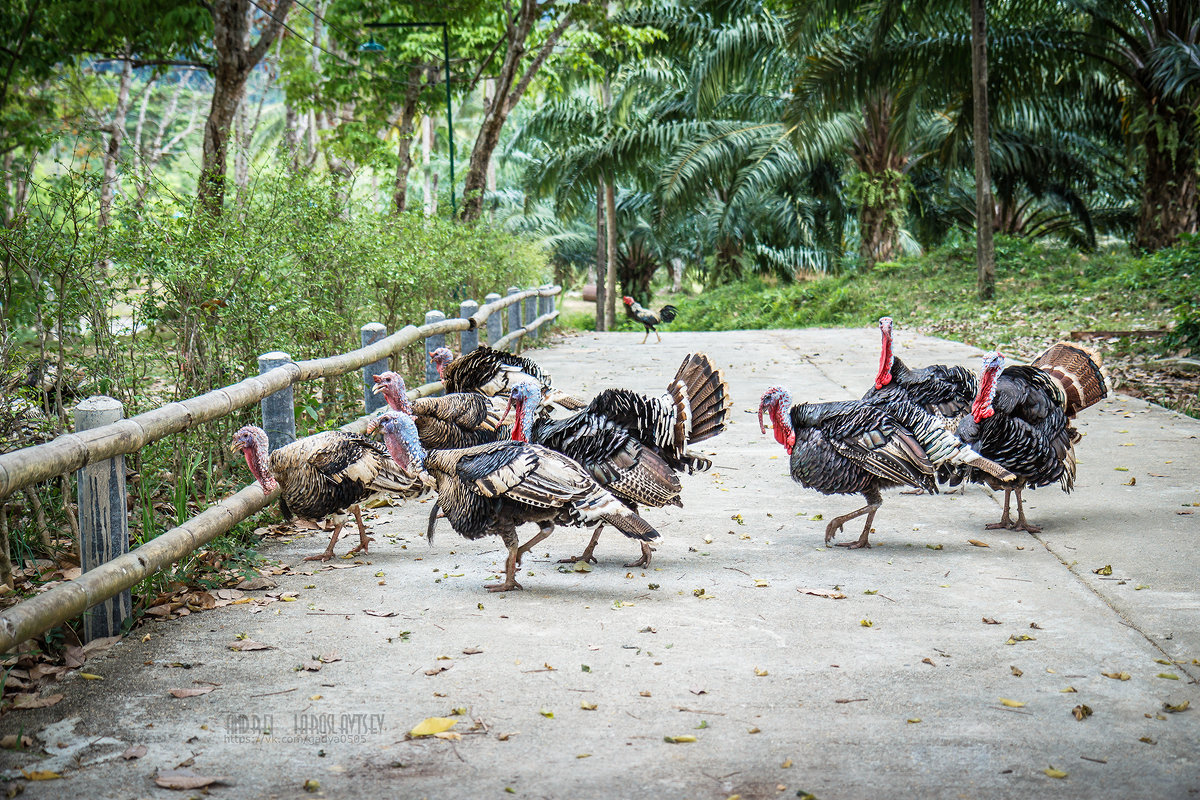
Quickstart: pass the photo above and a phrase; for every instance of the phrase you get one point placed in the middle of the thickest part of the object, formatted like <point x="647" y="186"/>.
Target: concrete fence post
<point x="531" y="313"/>
<point x="372" y="332"/>
<point x="553" y="302"/>
<point x="514" y="319"/>
<point x="279" y="409"/>
<point x="433" y="343"/>
<point x="545" y="301"/>
<point x="495" y="322"/>
<point x="468" y="340"/>
<point x="103" y="517"/>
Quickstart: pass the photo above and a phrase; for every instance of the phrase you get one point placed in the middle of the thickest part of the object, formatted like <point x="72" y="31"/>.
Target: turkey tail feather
<point x="707" y="396"/>
<point x="1078" y="371"/>
<point x="631" y="525"/>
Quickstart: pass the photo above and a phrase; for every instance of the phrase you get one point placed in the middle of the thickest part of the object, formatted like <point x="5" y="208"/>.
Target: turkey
<point x="492" y="488"/>
<point x="461" y="419"/>
<point x="326" y="474"/>
<point x="854" y="446"/>
<point x="946" y="392"/>
<point x="1021" y="419"/>
<point x="635" y="311"/>
<point x="630" y="443"/>
<point x="493" y="372"/>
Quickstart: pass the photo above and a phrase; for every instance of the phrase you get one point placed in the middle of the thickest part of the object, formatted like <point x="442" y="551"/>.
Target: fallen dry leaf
<point x="11" y="742"/>
<point x="40" y="775"/>
<point x="762" y="673"/>
<point x="1081" y="712"/>
<point x="832" y="595"/>
<point x="1120" y="676"/>
<point x="311" y="665"/>
<point x="1105" y="570"/>
<point x="1177" y="708"/>
<point x="33" y="701"/>
<point x="928" y="661"/>
<point x="451" y="735"/>
<point x="372" y="612"/>
<point x="1016" y="671"/>
<point x="990" y="621"/>
<point x="685" y="739"/>
<point x="244" y="645"/>
<point x="978" y="543"/>
<point x="913" y="721"/>
<point x="431" y="725"/>
<point x="643" y="694"/>
<point x="1004" y="701"/>
<point x="586" y="706"/>
<point x="134" y="751"/>
<point x="472" y="651"/>
<point x="186" y="779"/>
<point x="191" y="692"/>
<point x="1054" y="773"/>
<point x="438" y="670"/>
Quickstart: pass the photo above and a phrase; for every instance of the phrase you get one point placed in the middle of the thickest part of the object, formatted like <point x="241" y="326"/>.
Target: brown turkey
<point x="452" y="421"/>
<point x="326" y="474"/>
<point x="631" y="444"/>
<point x="491" y="489"/>
<point x="1021" y="420"/>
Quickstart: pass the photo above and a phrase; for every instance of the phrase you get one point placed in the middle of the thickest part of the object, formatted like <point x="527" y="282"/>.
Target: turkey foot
<point x="1022" y="523"/>
<point x="644" y="561"/>
<point x="586" y="555"/>
<point x="328" y="554"/>
<point x="510" y="570"/>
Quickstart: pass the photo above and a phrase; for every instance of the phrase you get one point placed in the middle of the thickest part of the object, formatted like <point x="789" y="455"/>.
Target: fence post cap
<point x="277" y="355"/>
<point x="513" y="290"/>
<point x="99" y="402"/>
<point x="491" y="298"/>
<point x="372" y="327"/>
<point x="434" y="314"/>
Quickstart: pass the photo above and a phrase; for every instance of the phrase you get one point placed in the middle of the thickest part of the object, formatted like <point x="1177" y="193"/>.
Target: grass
<point x="1043" y="293"/>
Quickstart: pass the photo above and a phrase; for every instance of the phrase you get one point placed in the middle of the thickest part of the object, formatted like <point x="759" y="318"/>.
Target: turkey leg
<point x="1005" y="519"/>
<point x="545" y="530"/>
<point x="510" y="566"/>
<point x="363" y="539"/>
<point x="836" y="524"/>
<point x="586" y="555"/>
<point x="1022" y="523"/>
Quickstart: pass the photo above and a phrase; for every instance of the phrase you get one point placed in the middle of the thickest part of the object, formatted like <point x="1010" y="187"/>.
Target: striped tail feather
<point x="1078" y="372"/>
<point x="707" y="396"/>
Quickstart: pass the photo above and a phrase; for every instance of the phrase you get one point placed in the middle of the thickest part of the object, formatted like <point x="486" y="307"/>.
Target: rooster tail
<point x="1078" y="372"/>
<point x="668" y="313"/>
<point x="699" y="389"/>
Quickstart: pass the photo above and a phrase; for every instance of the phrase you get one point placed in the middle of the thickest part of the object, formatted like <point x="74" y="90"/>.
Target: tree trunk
<point x="408" y="116"/>
<point x="116" y="134"/>
<point x="601" y="260"/>
<point x="880" y="185"/>
<point x="508" y="92"/>
<point x="1170" y="202"/>
<point x="235" y="61"/>
<point x="429" y="185"/>
<point x="610" y="278"/>
<point x="676" y="275"/>
<point x="985" y="209"/>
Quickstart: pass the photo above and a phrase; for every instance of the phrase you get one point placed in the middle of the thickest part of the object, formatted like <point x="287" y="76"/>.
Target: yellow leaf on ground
<point x="685" y="739"/>
<point x="762" y="673"/>
<point x="451" y="735"/>
<point x="40" y="775"/>
<point x="1177" y="708"/>
<point x="1120" y="676"/>
<point x="1067" y="690"/>
<point x="586" y="706"/>
<point x="1081" y="712"/>
<point x="1054" y="773"/>
<point x="914" y="720"/>
<point x="866" y="623"/>
<point x="546" y="714"/>
<point x="978" y="543"/>
<point x="1004" y="701"/>
<point x="786" y="764"/>
<point x="87" y="676"/>
<point x="431" y="725"/>
<point x="1105" y="570"/>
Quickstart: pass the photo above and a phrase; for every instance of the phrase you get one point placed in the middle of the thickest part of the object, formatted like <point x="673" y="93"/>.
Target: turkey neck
<point x="982" y="408"/>
<point x="257" y="462"/>
<point x="885" y="361"/>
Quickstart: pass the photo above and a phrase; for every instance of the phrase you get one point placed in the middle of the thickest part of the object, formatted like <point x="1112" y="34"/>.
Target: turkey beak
<point x="378" y="387"/>
<point x="372" y="426"/>
<point x="237" y="448"/>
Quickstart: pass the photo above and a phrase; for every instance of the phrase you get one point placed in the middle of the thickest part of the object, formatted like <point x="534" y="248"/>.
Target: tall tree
<point x="236" y="58"/>
<point x="985" y="250"/>
<point x="509" y="88"/>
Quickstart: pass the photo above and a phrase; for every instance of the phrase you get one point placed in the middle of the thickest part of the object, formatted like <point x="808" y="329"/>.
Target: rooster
<point x="492" y="488"/>
<point x="1021" y="419"/>
<point x="326" y="474"/>
<point x="631" y="444"/>
<point x="634" y="311"/>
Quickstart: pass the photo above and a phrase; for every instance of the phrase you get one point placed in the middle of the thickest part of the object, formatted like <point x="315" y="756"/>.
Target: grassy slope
<point x="1042" y="294"/>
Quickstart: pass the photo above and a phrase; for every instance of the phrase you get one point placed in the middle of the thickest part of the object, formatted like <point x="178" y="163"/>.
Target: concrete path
<point x="568" y="688"/>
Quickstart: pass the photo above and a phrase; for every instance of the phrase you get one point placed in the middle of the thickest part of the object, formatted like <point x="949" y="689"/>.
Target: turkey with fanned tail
<point x="634" y="445"/>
